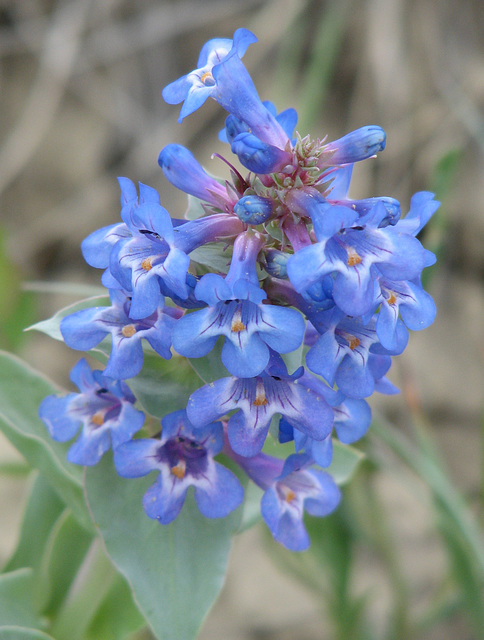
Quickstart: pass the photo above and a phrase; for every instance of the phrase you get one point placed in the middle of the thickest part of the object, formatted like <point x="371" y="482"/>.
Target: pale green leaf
<point x="176" y="571"/>
<point x="22" y="389"/>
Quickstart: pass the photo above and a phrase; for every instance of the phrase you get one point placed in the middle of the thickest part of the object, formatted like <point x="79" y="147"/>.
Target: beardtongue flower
<point x="236" y="312"/>
<point x="85" y="329"/>
<point x="183" y="170"/>
<point x="256" y="400"/>
<point x="222" y="76"/>
<point x="291" y="487"/>
<point x="356" y="250"/>
<point x="184" y="458"/>
<point x="103" y="410"/>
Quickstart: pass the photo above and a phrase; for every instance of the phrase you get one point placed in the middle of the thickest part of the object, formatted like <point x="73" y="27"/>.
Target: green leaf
<point x="108" y="624"/>
<point x="16" y="599"/>
<point x="163" y="386"/>
<point x="64" y="553"/>
<point x="176" y="571"/>
<point x="9" y="632"/>
<point x="195" y="209"/>
<point x="21" y="391"/>
<point x="214" y="255"/>
<point x="42" y="510"/>
<point x="51" y="326"/>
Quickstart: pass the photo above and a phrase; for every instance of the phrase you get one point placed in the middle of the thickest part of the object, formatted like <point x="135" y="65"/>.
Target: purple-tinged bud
<point x="233" y="126"/>
<point x="357" y="145"/>
<point x="184" y="171"/>
<point x="276" y="263"/>
<point x="258" y="156"/>
<point x="253" y="209"/>
<point x="364" y="206"/>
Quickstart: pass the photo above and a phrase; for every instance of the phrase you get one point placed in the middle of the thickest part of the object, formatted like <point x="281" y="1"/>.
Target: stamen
<point x="128" y="330"/>
<point x="179" y="469"/>
<point x="207" y="78"/>
<point x="289" y="495"/>
<point x="353" y="258"/>
<point x="352" y="340"/>
<point x="260" y="395"/>
<point x="146" y="264"/>
<point x="98" y="418"/>
<point x="393" y="298"/>
<point x="237" y="325"/>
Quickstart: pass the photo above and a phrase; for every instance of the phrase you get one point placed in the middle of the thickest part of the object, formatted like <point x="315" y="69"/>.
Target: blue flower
<point x="352" y="417"/>
<point x="103" y="408"/>
<point x="182" y="169"/>
<point x="406" y="300"/>
<point x="222" y="76"/>
<point x="256" y="400"/>
<point x="356" y="250"/>
<point x="236" y="312"/>
<point x="85" y="329"/>
<point x="184" y="458"/>
<point x="149" y="254"/>
<point x="357" y="145"/>
<point x="198" y="85"/>
<point x="291" y="487"/>
<point x="343" y="352"/>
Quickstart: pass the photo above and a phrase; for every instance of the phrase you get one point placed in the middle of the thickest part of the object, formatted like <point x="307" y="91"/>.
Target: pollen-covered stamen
<point x="179" y="470"/>
<point x="98" y="418"/>
<point x="289" y="494"/>
<point x="392" y="299"/>
<point x="207" y="79"/>
<point x="260" y="394"/>
<point x="237" y="325"/>
<point x="353" y="258"/>
<point x="147" y="264"/>
<point x="128" y="330"/>
<point x="353" y="341"/>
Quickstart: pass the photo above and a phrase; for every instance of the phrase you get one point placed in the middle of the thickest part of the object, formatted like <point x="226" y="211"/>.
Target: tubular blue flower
<point x="184" y="458"/>
<point x="85" y="329"/>
<point x="96" y="248"/>
<point x="222" y="76"/>
<point x="406" y="300"/>
<point x="341" y="354"/>
<point x="182" y="169"/>
<point x="158" y="251"/>
<point x="236" y="311"/>
<point x="357" y="145"/>
<point x="291" y="487"/>
<point x="257" y="400"/>
<point x="357" y="250"/>
<point x="258" y="156"/>
<point x="198" y="85"/>
<point x="233" y="126"/>
<point x="352" y="417"/>
<point x="103" y="408"/>
<point x="150" y="254"/>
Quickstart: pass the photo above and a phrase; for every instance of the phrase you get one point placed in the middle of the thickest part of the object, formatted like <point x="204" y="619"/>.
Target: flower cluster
<point x="302" y="268"/>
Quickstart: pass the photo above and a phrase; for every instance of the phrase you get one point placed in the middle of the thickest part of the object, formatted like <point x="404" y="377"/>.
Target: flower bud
<point x="357" y="145"/>
<point x="253" y="209"/>
<point x="276" y="263"/>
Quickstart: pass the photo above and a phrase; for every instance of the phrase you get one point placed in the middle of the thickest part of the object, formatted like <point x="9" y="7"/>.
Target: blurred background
<point x="80" y="104"/>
